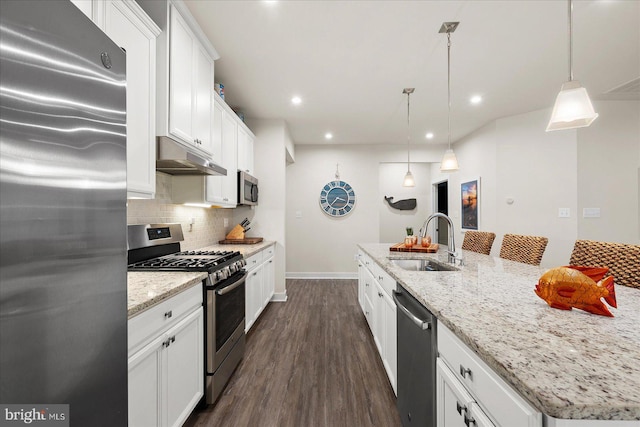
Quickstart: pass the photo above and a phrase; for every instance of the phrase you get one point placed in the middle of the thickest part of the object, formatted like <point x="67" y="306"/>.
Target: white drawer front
<point x="493" y="394"/>
<point x="254" y="260"/>
<point x="148" y="324"/>
<point x="268" y="253"/>
<point x="385" y="280"/>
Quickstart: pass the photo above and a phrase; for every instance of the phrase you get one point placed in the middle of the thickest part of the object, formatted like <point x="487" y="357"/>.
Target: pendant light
<point x="408" y="178"/>
<point x="449" y="161"/>
<point x="573" y="108"/>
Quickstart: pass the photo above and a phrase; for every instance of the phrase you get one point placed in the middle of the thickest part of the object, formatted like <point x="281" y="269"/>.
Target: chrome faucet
<point x="451" y="248"/>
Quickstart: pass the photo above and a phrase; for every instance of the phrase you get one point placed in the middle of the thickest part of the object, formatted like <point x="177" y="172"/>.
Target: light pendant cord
<point x="449" y="88"/>
<point x="570" y="40"/>
<point x="408" y="135"/>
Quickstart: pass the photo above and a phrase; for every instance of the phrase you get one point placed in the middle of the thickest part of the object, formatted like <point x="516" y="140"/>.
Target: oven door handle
<point x="231" y="287"/>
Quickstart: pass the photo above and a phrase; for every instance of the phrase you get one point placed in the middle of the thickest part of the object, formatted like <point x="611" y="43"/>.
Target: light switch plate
<point x="591" y="213"/>
<point x="226" y="222"/>
<point x="564" y="212"/>
<point x="298" y="214"/>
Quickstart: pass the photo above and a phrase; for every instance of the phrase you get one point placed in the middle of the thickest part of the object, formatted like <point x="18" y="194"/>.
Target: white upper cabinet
<point x="130" y="27"/>
<point x="185" y="72"/>
<point x="190" y="86"/>
<point x="245" y="150"/>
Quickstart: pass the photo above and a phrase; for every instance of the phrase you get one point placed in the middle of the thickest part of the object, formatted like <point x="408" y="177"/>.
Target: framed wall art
<point x="470" y="199"/>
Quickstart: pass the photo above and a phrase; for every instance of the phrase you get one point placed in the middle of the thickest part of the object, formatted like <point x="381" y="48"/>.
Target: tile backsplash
<point x="208" y="227"/>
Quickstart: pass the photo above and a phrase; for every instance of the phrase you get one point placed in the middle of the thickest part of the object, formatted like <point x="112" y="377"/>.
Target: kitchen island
<point x="567" y="364"/>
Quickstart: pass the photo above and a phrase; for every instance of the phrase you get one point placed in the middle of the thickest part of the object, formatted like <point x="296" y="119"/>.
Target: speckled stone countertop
<point x="146" y="289"/>
<point x="568" y="364"/>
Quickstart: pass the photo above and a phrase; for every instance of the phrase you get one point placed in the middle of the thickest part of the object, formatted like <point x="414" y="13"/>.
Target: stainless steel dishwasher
<point x="417" y="353"/>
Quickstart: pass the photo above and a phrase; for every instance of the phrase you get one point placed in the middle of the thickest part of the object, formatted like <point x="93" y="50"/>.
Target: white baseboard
<point x="279" y="297"/>
<point x="321" y="275"/>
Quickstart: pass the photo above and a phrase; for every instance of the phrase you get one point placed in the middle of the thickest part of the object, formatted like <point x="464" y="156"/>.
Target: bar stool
<point x="478" y="241"/>
<point x="526" y="249"/>
<point x="623" y="260"/>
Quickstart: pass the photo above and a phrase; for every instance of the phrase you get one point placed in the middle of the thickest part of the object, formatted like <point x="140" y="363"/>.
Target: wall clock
<point x="337" y="198"/>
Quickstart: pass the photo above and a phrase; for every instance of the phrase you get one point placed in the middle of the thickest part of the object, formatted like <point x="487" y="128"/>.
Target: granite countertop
<point x="148" y="288"/>
<point x="567" y="364"/>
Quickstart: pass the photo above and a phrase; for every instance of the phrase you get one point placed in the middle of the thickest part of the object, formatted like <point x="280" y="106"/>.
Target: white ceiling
<point x="350" y="60"/>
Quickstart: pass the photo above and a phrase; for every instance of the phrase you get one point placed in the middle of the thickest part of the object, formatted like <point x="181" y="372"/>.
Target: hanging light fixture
<point x="449" y="161"/>
<point x="408" y="178"/>
<point x="573" y="108"/>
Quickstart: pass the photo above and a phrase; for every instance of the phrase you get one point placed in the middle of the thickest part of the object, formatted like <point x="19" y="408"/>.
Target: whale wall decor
<point x="402" y="205"/>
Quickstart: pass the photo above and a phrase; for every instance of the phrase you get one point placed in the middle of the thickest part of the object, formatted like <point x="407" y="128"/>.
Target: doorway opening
<point x="441" y="204"/>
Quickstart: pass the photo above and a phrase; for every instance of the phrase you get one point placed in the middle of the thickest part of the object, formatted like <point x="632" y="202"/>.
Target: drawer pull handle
<point x="168" y="314"/>
<point x="168" y="342"/>
<point x="469" y="420"/>
<point x="465" y="371"/>
<point x="460" y="408"/>
<point x="380" y="278"/>
<point x="380" y="294"/>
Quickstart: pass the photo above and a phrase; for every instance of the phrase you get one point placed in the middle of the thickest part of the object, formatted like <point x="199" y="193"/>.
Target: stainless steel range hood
<point x="174" y="159"/>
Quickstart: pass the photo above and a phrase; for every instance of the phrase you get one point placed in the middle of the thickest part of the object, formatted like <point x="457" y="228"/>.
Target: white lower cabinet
<point x="166" y="361"/>
<point x="466" y="385"/>
<point x="380" y="311"/>
<point x="260" y="285"/>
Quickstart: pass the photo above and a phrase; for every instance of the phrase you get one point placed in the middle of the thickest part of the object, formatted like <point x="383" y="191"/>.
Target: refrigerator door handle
<point x="424" y="325"/>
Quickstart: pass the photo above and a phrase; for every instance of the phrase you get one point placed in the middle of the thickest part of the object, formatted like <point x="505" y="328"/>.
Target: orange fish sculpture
<point x="579" y="287"/>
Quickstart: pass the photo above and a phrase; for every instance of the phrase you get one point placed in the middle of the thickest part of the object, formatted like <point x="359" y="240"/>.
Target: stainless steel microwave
<point x="247" y="189"/>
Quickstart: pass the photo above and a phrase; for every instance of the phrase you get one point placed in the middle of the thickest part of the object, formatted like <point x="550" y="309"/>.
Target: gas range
<point x="156" y="247"/>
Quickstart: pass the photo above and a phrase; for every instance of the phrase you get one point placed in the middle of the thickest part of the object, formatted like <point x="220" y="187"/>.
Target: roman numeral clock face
<point x="337" y="198"/>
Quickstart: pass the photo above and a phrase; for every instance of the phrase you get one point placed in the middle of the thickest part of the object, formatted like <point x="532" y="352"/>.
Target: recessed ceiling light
<point x="270" y="2"/>
<point x="296" y="100"/>
<point x="429" y="135"/>
<point x="476" y="99"/>
<point x="328" y="135"/>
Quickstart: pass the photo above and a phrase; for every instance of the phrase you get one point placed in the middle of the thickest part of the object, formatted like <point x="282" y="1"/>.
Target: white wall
<point x="393" y="222"/>
<point x="515" y="158"/>
<point x="609" y="173"/>
<point x="321" y="246"/>
<point x="543" y="171"/>
<point x="268" y="217"/>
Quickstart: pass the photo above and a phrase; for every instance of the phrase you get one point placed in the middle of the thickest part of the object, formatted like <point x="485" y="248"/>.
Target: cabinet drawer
<point x="385" y="280"/>
<point x="268" y="253"/>
<point x="492" y="393"/>
<point x="254" y="260"/>
<point x="148" y="324"/>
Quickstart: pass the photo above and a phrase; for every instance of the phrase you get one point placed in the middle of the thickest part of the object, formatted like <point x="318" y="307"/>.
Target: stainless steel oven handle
<point x="231" y="287"/>
<point x="419" y="322"/>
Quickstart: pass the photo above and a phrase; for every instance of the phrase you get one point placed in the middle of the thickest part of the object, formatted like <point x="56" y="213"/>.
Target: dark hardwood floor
<point x="310" y="362"/>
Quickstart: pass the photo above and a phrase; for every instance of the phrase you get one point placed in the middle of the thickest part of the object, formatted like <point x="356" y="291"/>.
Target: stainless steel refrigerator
<point x="63" y="297"/>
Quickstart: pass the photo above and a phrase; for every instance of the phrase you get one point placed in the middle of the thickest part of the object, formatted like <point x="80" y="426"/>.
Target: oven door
<point x="225" y="318"/>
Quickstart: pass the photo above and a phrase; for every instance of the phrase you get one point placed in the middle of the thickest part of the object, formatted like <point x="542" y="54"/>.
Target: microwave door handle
<point x="254" y="193"/>
<point x="231" y="287"/>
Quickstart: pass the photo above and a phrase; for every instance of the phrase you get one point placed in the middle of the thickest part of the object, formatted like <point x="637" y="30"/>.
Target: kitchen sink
<point x="421" y="264"/>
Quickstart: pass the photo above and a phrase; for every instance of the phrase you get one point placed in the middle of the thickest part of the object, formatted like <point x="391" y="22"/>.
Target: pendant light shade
<point x="408" y="178"/>
<point x="573" y="108"/>
<point x="449" y="161"/>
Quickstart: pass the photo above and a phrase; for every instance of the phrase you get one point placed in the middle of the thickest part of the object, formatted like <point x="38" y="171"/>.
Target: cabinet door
<point x="203" y="97"/>
<point x="379" y="318"/>
<point x="185" y="368"/>
<point x="229" y="157"/>
<point x="268" y="281"/>
<point x="453" y="401"/>
<point x="253" y="296"/>
<point x="181" y="79"/>
<point x="477" y="418"/>
<point x="390" y="359"/>
<point x="137" y="38"/>
<point x="215" y="183"/>
<point x="144" y="388"/>
<point x="245" y="150"/>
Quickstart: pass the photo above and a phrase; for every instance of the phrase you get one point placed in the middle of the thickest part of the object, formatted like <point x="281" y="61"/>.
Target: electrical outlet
<point x="192" y="221"/>
<point x="564" y="212"/>
<point x="226" y="222"/>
